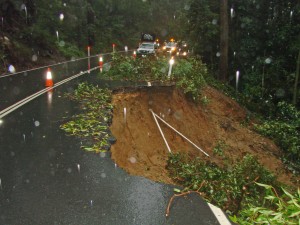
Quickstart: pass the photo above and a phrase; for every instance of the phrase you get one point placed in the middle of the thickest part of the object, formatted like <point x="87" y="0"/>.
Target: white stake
<point x="162" y="134"/>
<point x="124" y="115"/>
<point x="180" y="134"/>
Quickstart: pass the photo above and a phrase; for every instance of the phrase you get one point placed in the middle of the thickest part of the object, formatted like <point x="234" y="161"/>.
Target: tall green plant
<point x="276" y="210"/>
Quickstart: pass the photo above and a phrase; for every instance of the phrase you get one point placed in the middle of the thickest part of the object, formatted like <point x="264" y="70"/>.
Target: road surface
<point x="45" y="178"/>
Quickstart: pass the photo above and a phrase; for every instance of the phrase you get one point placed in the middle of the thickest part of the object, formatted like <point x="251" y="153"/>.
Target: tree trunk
<point x="223" y="71"/>
<point x="296" y="80"/>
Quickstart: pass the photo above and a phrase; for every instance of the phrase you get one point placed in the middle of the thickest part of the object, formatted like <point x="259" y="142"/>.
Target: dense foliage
<point x="68" y="27"/>
<point x="263" y="36"/>
<point x="237" y="189"/>
<point x="231" y="187"/>
<point x="187" y="73"/>
<point x="264" y="44"/>
<point x="277" y="209"/>
<point x="283" y="127"/>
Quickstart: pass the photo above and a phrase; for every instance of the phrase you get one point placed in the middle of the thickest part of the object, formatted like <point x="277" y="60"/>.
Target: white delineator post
<point x="171" y="62"/>
<point x="89" y="60"/>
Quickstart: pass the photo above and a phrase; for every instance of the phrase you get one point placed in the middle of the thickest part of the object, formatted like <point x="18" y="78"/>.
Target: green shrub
<point x="189" y="75"/>
<point x="68" y="50"/>
<point x="284" y="128"/>
<point x="139" y="69"/>
<point x="276" y="210"/>
<point x="231" y="187"/>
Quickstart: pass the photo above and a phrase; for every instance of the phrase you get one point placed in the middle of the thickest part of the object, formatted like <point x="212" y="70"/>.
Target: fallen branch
<point x="182" y="194"/>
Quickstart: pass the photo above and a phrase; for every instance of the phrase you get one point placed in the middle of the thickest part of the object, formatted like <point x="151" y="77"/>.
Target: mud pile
<point x="140" y="148"/>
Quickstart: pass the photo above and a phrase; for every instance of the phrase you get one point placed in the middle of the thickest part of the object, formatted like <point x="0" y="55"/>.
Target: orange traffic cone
<point x="49" y="81"/>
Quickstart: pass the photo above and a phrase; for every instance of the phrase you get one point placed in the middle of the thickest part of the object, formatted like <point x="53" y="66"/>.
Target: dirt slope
<point x="140" y="149"/>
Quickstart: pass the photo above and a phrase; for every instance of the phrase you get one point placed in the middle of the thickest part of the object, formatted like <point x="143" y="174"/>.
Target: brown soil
<point x="140" y="148"/>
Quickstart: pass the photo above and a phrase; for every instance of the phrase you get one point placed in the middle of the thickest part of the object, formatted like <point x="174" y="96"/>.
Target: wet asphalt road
<point x="45" y="178"/>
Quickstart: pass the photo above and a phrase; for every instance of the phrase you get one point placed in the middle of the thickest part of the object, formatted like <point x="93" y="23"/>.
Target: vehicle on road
<point x="148" y="45"/>
<point x="146" y="49"/>
<point x="170" y="48"/>
<point x="183" y="50"/>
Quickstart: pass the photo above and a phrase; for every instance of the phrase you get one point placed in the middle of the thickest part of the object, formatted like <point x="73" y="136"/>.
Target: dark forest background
<point x="263" y="36"/>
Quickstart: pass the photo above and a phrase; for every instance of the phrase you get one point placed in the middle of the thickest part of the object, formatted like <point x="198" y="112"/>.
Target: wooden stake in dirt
<point x="155" y="115"/>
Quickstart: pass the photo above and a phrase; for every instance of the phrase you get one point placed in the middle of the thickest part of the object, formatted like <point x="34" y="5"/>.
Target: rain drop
<point x="34" y="58"/>
<point x="16" y="90"/>
<point x="214" y="21"/>
<point x="24" y="137"/>
<point x="69" y="170"/>
<point x="268" y="60"/>
<point x="11" y="69"/>
<point x="132" y="159"/>
<point x="78" y="168"/>
<point x="1" y="122"/>
<point x="91" y="203"/>
<point x="61" y="17"/>
<point x="12" y="154"/>
<point x="103" y="175"/>
<point x="52" y="172"/>
<point x="218" y="54"/>
<point x="187" y="7"/>
<point x="163" y="70"/>
<point x="0" y="184"/>
<point x="280" y="92"/>
<point x="37" y="123"/>
<point x="102" y="154"/>
<point x="164" y="32"/>
<point x="57" y="35"/>
<point x="61" y="43"/>
<point x="231" y="12"/>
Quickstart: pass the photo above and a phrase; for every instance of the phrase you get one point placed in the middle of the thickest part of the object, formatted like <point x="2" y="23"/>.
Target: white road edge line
<point x="22" y="102"/>
<point x="219" y="214"/>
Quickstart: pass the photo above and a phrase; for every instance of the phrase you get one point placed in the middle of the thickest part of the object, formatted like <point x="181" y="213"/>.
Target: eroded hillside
<point x="217" y="121"/>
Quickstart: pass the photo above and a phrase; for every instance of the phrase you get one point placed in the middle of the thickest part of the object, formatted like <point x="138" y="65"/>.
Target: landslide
<point x="140" y="149"/>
